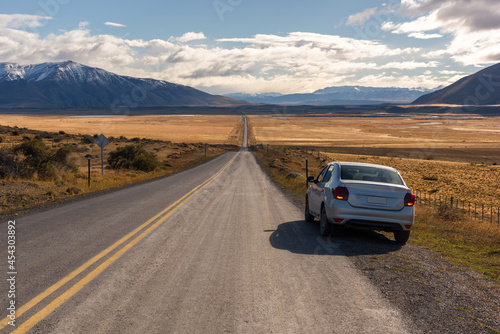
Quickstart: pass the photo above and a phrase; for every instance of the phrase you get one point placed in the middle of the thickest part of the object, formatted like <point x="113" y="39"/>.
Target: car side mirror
<point x="311" y="179"/>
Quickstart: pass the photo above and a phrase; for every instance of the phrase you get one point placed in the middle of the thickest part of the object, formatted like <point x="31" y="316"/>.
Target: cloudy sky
<point x="255" y="46"/>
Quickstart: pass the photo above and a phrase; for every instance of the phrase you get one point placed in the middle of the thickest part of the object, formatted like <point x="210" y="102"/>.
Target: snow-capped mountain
<point x="340" y="95"/>
<point x="68" y="85"/>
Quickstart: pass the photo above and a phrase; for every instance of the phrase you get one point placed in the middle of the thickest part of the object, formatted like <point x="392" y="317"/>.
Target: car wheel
<point x="325" y="227"/>
<point x="401" y="236"/>
<point x="307" y="215"/>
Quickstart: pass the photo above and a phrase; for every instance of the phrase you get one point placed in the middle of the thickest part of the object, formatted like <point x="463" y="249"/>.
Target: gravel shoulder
<point x="439" y="296"/>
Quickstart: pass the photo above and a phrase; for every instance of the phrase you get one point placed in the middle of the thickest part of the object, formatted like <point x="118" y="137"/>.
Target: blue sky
<point x="224" y="46"/>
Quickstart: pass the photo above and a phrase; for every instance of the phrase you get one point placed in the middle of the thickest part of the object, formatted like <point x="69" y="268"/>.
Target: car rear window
<point x="373" y="174"/>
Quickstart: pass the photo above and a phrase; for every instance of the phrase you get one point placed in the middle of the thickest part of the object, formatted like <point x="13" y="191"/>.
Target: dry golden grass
<point x="461" y="240"/>
<point x="177" y="129"/>
<point x="380" y="139"/>
<point x="391" y="131"/>
<point x="472" y="139"/>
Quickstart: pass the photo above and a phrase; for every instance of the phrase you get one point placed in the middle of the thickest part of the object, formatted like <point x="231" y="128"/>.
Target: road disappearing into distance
<point x="214" y="249"/>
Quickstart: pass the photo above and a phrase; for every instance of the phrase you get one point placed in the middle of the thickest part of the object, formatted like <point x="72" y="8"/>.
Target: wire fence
<point x="475" y="211"/>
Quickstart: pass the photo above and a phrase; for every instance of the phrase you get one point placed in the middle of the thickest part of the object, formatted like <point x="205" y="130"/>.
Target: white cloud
<point x="409" y="65"/>
<point x="190" y="36"/>
<point x="113" y="24"/>
<point x="420" y="35"/>
<point x="474" y="27"/>
<point x="22" y="21"/>
<point x="295" y="62"/>
<point x="361" y="18"/>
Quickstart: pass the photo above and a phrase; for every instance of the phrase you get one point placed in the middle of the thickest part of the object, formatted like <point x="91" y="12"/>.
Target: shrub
<point x="133" y="156"/>
<point x="450" y="214"/>
<point x="8" y="165"/>
<point x="86" y="139"/>
<point x="39" y="160"/>
<point x="146" y="162"/>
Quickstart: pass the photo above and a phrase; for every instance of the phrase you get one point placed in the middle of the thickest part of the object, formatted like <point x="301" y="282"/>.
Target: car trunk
<point x="375" y="195"/>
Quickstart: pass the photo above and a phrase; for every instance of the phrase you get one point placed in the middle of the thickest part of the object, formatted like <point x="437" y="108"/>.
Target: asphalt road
<point x="215" y="249"/>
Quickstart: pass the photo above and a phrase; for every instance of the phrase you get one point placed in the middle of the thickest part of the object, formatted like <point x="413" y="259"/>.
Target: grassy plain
<point x="452" y="155"/>
<point x="459" y="138"/>
<point x="174" y="128"/>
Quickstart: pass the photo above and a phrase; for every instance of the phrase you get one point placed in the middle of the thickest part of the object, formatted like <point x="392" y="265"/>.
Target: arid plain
<point x="466" y="138"/>
<point x="177" y="129"/>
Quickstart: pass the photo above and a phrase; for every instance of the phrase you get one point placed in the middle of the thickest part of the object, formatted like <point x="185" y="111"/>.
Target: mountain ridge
<point x="69" y="85"/>
<point x="480" y="88"/>
<point x="348" y="95"/>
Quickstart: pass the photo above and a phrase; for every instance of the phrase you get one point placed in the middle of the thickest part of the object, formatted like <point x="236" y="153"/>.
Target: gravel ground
<point x="438" y="296"/>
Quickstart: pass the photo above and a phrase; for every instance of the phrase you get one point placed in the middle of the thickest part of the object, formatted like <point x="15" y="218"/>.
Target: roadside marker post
<point x="307" y="173"/>
<point x="102" y="141"/>
<point x="88" y="156"/>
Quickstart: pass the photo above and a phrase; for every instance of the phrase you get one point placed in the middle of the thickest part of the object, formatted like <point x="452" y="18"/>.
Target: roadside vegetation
<point x="449" y="231"/>
<point x="39" y="167"/>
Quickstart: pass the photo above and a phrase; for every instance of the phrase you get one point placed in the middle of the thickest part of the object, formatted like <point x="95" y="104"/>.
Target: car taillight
<point x="410" y="199"/>
<point x="341" y="193"/>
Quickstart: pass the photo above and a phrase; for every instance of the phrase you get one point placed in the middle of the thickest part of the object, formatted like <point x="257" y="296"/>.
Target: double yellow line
<point x="159" y="218"/>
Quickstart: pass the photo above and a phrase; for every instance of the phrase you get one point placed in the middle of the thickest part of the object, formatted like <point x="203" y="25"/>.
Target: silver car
<point x="360" y="195"/>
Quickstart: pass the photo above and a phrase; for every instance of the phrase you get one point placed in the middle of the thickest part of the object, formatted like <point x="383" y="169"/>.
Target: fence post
<point x="307" y="173"/>
<point x="451" y="202"/>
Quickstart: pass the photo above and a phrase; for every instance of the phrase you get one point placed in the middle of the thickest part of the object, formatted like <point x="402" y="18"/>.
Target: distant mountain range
<point x="69" y="85"/>
<point x="341" y="95"/>
<point x="481" y="88"/>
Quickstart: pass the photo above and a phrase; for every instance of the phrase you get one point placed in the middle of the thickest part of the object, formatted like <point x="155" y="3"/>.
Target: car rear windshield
<point x="373" y="174"/>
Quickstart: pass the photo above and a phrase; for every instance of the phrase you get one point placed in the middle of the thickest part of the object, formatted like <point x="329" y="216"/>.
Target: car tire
<point x="325" y="227"/>
<point x="401" y="236"/>
<point x="307" y="215"/>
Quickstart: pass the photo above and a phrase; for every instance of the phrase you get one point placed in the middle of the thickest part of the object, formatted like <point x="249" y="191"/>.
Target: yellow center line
<point x="167" y="212"/>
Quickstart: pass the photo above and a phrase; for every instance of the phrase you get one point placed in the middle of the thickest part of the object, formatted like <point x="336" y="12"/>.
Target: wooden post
<point x="89" y="172"/>
<point x="307" y="173"/>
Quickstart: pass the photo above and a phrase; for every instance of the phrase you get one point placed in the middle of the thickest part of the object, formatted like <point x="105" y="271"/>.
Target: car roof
<point x="362" y="164"/>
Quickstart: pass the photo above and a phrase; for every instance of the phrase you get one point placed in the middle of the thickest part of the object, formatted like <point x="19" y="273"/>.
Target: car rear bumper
<point x="375" y="219"/>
